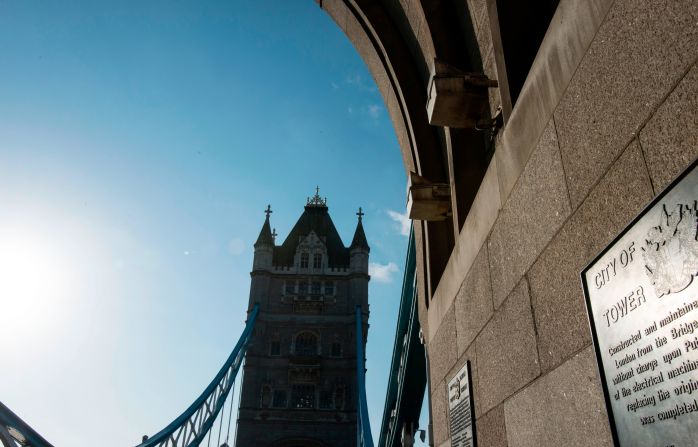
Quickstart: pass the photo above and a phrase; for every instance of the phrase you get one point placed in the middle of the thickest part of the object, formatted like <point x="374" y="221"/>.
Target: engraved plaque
<point x="460" y="409"/>
<point x="642" y="300"/>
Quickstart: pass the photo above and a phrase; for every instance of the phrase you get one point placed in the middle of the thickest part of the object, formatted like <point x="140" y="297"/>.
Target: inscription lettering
<point x="660" y="341"/>
<point x="678" y="410"/>
<point x="649" y="366"/>
<point x="625" y="360"/>
<point x="684" y="329"/>
<point x="647" y="420"/>
<point x="671" y="356"/>
<point x="678" y="313"/>
<point x="691" y="345"/>
<point x="686" y="387"/>
<point x="687" y="366"/>
<point x="609" y="271"/>
<point x="651" y="328"/>
<point x="663" y="395"/>
<point x="648" y="382"/>
<point x="643" y="402"/>
<point x="624" y="306"/>
<point x="625" y="343"/>
<point x="604" y="275"/>
<point x="643" y="351"/>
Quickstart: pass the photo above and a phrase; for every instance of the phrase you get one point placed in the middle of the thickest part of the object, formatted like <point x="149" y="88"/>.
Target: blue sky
<point x="140" y="143"/>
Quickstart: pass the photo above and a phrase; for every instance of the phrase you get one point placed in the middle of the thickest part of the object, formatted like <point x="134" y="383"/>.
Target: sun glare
<point x="32" y="283"/>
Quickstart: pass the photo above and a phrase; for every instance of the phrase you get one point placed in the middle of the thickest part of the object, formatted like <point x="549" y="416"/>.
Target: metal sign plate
<point x="642" y="300"/>
<point x="460" y="409"/>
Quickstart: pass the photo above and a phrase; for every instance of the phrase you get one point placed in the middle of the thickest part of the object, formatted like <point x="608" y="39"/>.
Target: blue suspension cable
<point x="192" y="426"/>
<point x="220" y="426"/>
<point x="230" y="415"/>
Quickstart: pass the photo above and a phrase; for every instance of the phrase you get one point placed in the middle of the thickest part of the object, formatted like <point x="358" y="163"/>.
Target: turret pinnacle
<point x="359" y="240"/>
<point x="265" y="236"/>
<point x="316" y="201"/>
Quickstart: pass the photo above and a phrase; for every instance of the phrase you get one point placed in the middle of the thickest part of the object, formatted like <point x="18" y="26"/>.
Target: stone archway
<point x="399" y="45"/>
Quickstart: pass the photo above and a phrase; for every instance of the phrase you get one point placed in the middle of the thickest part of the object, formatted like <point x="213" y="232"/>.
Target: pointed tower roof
<point x="315" y="218"/>
<point x="359" y="240"/>
<point x="265" y="236"/>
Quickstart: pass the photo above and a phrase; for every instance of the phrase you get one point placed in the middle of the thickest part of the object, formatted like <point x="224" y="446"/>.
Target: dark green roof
<point x="359" y="240"/>
<point x="265" y="237"/>
<point x="314" y="218"/>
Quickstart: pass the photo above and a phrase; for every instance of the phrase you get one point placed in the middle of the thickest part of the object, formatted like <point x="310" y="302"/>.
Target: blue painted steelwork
<point x="363" y="429"/>
<point x="407" y="379"/>
<point x="191" y="427"/>
<point x="15" y="432"/>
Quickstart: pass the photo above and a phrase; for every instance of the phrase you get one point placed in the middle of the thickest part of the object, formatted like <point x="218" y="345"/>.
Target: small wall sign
<point x="460" y="409"/>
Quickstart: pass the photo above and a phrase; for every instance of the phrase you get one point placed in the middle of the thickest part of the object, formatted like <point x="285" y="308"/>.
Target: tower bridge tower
<point x="299" y="383"/>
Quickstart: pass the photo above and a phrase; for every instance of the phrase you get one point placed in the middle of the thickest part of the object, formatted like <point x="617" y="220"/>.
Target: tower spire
<point x="359" y="240"/>
<point x="265" y="236"/>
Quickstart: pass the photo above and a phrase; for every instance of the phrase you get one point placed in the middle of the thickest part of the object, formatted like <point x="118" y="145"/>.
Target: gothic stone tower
<point x="299" y="383"/>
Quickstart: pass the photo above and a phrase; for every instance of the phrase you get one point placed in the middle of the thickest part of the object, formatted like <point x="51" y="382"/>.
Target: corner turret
<point x="359" y="249"/>
<point x="264" y="247"/>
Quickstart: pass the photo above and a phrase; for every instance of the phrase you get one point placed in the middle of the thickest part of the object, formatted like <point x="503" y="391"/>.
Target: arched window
<point x="304" y="260"/>
<point x="306" y="344"/>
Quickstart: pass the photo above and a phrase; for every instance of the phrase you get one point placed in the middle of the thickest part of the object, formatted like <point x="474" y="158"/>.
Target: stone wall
<point x="613" y="99"/>
<point x="607" y="117"/>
